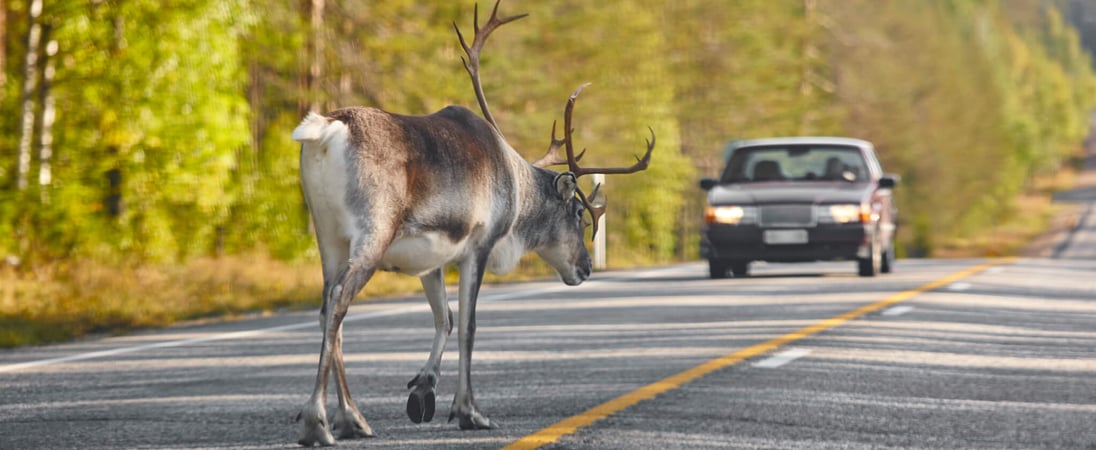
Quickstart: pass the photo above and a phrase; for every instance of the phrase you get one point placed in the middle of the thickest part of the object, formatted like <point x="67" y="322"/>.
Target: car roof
<point x="796" y="140"/>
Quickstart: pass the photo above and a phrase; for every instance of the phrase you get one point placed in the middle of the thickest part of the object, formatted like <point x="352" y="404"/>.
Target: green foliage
<point x="964" y="100"/>
<point x="172" y="134"/>
<point x="147" y="93"/>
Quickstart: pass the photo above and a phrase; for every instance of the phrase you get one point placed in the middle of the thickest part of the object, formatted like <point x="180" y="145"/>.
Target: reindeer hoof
<point x="315" y="432"/>
<point x="351" y="425"/>
<point x="420" y="405"/>
<point x="473" y="420"/>
<point x="477" y="422"/>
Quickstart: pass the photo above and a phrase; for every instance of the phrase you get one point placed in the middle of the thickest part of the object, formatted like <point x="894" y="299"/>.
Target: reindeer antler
<point x="552" y="157"/>
<point x="472" y="63"/>
<point x="596" y="211"/>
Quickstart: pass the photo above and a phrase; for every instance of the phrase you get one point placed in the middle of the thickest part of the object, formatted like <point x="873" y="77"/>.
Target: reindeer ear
<point x="566" y="185"/>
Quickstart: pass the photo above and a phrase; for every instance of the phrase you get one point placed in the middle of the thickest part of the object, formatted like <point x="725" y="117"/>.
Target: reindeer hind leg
<point x="347" y="284"/>
<point x="349" y="422"/>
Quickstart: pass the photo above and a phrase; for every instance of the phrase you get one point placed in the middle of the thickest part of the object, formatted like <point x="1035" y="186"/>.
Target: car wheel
<point x="717" y="269"/>
<point x="868" y="267"/>
<point x="887" y="263"/>
<point x="740" y="269"/>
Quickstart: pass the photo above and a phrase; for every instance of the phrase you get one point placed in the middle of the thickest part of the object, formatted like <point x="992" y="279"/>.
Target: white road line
<point x="313" y="324"/>
<point x="782" y="358"/>
<point x="897" y="310"/>
<point x="217" y="337"/>
<point x="960" y="286"/>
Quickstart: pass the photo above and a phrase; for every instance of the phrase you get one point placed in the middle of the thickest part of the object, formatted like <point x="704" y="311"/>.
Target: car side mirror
<point x="708" y="183"/>
<point x="888" y="181"/>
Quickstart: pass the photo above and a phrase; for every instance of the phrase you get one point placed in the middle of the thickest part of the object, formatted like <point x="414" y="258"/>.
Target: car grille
<point x="787" y="215"/>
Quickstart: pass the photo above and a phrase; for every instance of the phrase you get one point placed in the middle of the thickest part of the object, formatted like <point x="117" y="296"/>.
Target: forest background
<point x="147" y="174"/>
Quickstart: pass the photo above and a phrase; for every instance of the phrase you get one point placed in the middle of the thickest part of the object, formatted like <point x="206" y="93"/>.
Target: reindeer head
<point x="558" y="225"/>
<point x="563" y="218"/>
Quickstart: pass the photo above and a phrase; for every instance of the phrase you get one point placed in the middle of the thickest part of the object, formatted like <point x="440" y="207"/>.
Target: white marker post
<point x="599" y="240"/>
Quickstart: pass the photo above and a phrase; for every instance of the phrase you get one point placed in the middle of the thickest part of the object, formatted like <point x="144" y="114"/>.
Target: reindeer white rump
<point x="413" y="194"/>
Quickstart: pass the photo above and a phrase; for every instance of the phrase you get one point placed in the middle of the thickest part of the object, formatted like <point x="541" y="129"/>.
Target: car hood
<point x="815" y="192"/>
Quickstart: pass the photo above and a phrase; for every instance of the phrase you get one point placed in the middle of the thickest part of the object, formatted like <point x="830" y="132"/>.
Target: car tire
<point x="868" y="267"/>
<point x="717" y="269"/>
<point x="740" y="269"/>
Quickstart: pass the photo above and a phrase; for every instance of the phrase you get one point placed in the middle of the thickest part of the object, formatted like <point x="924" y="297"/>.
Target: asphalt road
<point x="1001" y="358"/>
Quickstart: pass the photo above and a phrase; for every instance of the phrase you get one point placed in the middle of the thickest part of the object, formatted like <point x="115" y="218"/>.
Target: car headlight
<point x="731" y="215"/>
<point x="845" y="213"/>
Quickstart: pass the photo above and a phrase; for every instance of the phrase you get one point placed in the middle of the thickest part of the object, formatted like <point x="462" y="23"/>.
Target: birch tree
<point x="30" y="84"/>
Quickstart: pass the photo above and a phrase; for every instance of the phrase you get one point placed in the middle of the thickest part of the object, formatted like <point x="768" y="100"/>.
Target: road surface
<point x="950" y="354"/>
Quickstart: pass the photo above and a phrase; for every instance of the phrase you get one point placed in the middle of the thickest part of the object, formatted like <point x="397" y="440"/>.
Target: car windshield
<point x="795" y="163"/>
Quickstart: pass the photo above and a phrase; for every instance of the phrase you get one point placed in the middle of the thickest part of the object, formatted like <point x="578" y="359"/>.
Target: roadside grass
<point x="1011" y="237"/>
<point x="65" y="301"/>
<point x="1035" y="215"/>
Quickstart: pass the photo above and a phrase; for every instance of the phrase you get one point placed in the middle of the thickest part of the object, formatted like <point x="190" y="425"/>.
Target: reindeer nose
<point x="584" y="270"/>
<point x="581" y="273"/>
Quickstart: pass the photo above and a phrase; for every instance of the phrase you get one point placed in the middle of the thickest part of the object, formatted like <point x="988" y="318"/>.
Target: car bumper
<point x="824" y="243"/>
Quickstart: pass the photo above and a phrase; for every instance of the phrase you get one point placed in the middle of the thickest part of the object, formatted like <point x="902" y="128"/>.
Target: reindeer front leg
<point x="420" y="403"/>
<point x="464" y="404"/>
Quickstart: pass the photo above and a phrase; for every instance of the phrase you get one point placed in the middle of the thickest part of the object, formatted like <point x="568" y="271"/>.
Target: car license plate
<point x="785" y="237"/>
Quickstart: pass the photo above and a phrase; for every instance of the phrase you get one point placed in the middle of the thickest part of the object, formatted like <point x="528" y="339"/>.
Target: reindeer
<point x="413" y="194"/>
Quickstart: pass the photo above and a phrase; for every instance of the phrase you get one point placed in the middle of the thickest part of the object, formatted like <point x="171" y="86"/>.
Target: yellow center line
<point x="570" y="425"/>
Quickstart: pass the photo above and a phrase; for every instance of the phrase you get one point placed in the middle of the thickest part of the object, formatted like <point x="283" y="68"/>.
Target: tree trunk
<point x="112" y="200"/>
<point x="810" y="56"/>
<point x="255" y="92"/>
<point x="315" y="70"/>
<point x="3" y="49"/>
<point x="30" y="82"/>
<point x="45" y="149"/>
<point x="310" y="80"/>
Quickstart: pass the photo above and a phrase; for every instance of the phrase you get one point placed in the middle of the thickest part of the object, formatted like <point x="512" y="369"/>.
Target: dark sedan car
<point x="799" y="199"/>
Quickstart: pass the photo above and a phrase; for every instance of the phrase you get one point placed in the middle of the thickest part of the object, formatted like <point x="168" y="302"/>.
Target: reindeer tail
<point x="311" y="129"/>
